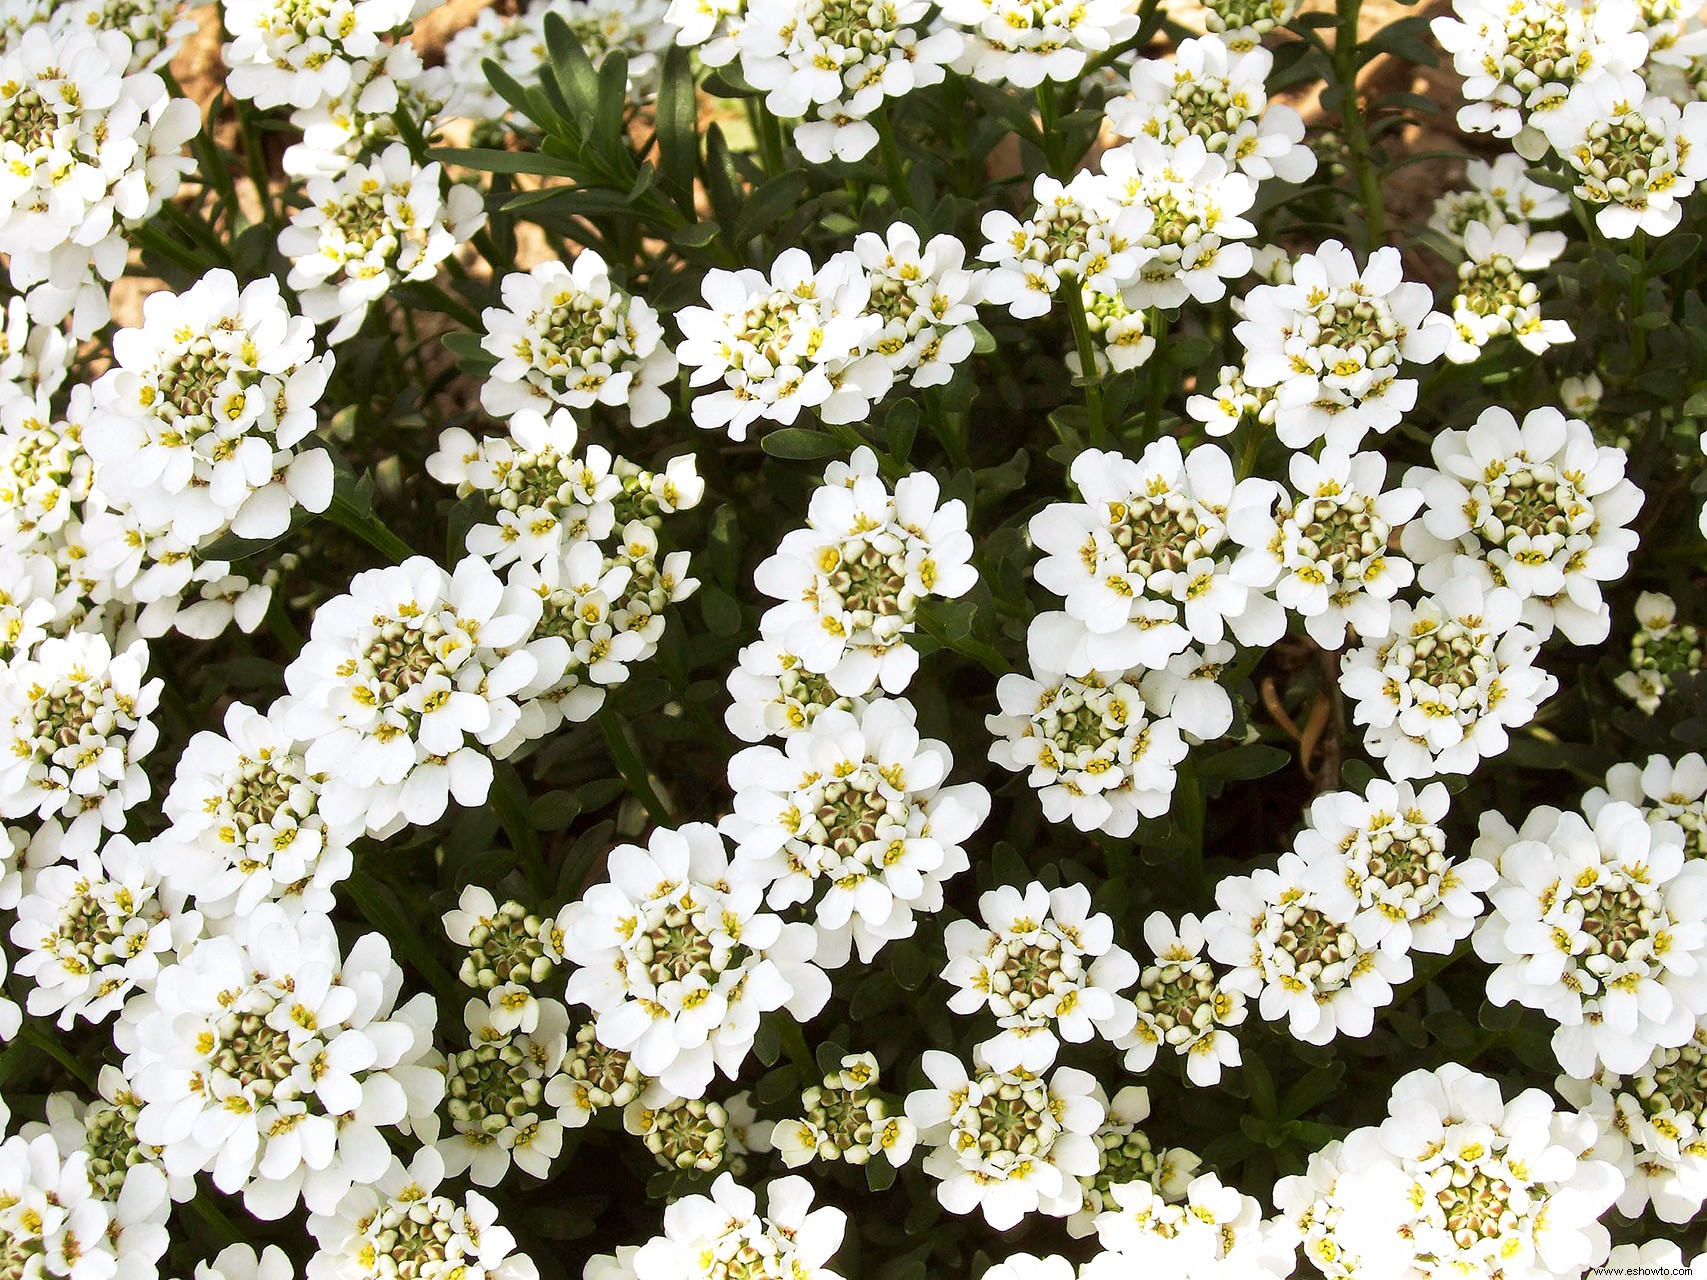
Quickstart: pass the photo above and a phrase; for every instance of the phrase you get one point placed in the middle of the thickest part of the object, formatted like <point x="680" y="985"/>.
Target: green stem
<point x="1351" y="118"/>
<point x="1253" y="443"/>
<point x="368" y="527"/>
<point x="1048" y="126"/>
<point x="210" y="167"/>
<point x="259" y="174"/>
<point x="799" y="1053"/>
<point x="510" y="802"/>
<point x="769" y="131"/>
<point x="946" y="429"/>
<point x="1188" y="812"/>
<point x="899" y="191"/>
<point x="216" y="1220"/>
<point x="1086" y="344"/>
<point x="629" y="764"/>
<point x="1639" y="305"/>
<point x="51" y="1046"/>
<point x="403" y="934"/>
<point x="1155" y="382"/>
<point x="461" y="312"/>
<point x="849" y="435"/>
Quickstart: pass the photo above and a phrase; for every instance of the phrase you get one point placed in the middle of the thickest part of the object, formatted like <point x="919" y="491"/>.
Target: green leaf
<point x="493" y="161"/>
<point x="722" y="612"/>
<point x="766" y="204"/>
<point x="879" y="1173"/>
<point x="983" y="341"/>
<point x="801" y="444"/>
<point x="696" y="235"/>
<point x="677" y="114"/>
<point x="767" y="1044"/>
<point x="554" y="811"/>
<point x="1673" y="251"/>
<point x="901" y="424"/>
<point x="1243" y="764"/>
<point x="571" y="69"/>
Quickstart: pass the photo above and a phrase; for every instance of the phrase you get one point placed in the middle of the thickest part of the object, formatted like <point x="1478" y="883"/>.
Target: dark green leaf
<point x="801" y="443"/>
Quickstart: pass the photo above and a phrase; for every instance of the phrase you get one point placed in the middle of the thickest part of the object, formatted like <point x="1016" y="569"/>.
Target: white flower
<point x="592" y="1077"/>
<point x="679" y="962"/>
<point x="853" y="808"/>
<point x="1126" y="341"/>
<point x="399" y="1223"/>
<point x="1097" y="755"/>
<point x="506" y="944"/>
<point x="1519" y="63"/>
<point x="1214" y="1231"/>
<point x="567" y="336"/>
<point x="1603" y="928"/>
<point x="1195" y="199"/>
<point x="1028" y="1266"/>
<point x="239" y="1262"/>
<point x="1499" y="193"/>
<point x="77" y="720"/>
<point x="1310" y="1203"/>
<point x="495" y="1093"/>
<point x="721" y="1234"/>
<point x="1078" y="231"/>
<point x="1635" y="155"/>
<point x="1333" y="341"/>
<point x="1653" y="1128"/>
<point x="276" y="1064"/>
<point x="845" y="1119"/>
<point x="397" y="682"/>
<point x="545" y="495"/>
<point x="1231" y="403"/>
<point x="33" y="357"/>
<point x="198" y="424"/>
<point x="1210" y="91"/>
<point x="1437" y="694"/>
<point x="796" y="339"/>
<point x="1046" y="966"/>
<point x="246" y="825"/>
<point x="1662" y="651"/>
<point x="926" y="297"/>
<point x="1494" y="300"/>
<point x="1665" y="791"/>
<point x="104" y="1129"/>
<point x="1183" y="1004"/>
<point x="96" y="930"/>
<point x="89" y="149"/>
<point x="1145" y="562"/>
<point x="1025" y="42"/>
<point x="1458" y="1181"/>
<point x="851" y="580"/>
<point x="1300" y="960"/>
<point x="369" y="228"/>
<point x="772" y="694"/>
<point x="1379" y="860"/>
<point x="838" y="63"/>
<point x="362" y="119"/>
<point x="45" y="475"/>
<point x="1325" y="553"/>
<point x="54" y="1224"/>
<point x="300" y="54"/>
<point x="1546" y="507"/>
<point x="1125" y="1154"/>
<point x="1006" y="1143"/>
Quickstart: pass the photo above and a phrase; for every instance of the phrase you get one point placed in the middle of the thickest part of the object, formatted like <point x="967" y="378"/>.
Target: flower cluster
<point x="850" y="582"/>
<point x="1602" y="926"/>
<point x="92" y="147"/>
<point x="371" y="227"/>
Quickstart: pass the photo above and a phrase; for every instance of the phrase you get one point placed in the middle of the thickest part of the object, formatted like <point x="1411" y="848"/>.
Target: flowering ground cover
<point x="788" y="639"/>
